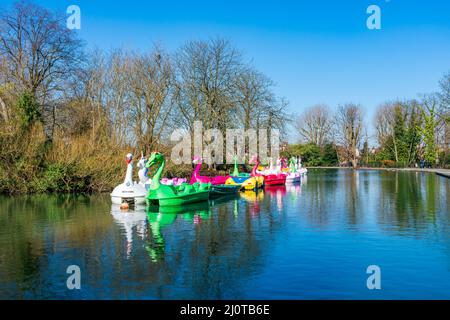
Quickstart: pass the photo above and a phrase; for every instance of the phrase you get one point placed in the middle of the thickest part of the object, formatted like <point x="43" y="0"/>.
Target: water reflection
<point x="282" y="242"/>
<point x="277" y="192"/>
<point x="412" y="202"/>
<point x="135" y="219"/>
<point x="254" y="199"/>
<point x="294" y="191"/>
<point x="161" y="217"/>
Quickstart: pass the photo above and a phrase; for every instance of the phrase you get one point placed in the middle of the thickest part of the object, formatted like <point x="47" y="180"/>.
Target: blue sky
<point x="316" y="51"/>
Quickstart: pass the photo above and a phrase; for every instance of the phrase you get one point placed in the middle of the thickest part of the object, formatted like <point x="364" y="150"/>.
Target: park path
<point x="441" y="172"/>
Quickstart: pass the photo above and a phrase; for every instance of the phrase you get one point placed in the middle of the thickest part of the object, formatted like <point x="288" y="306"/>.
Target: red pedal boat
<point x="275" y="179"/>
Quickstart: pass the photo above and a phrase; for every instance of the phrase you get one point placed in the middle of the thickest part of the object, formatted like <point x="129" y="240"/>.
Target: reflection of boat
<point x="161" y="217"/>
<point x="187" y="212"/>
<point x="192" y="207"/>
<point x="224" y="199"/>
<point x="254" y="197"/>
<point x="274" y="190"/>
<point x="158" y="220"/>
<point x="133" y="219"/>
<point x="278" y="192"/>
<point x="196" y="213"/>
<point x="294" y="189"/>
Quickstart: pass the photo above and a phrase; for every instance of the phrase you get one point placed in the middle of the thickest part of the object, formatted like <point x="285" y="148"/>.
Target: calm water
<point x="312" y="241"/>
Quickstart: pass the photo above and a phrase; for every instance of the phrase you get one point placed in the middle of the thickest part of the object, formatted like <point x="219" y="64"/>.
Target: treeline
<point x="409" y="133"/>
<point x="68" y="115"/>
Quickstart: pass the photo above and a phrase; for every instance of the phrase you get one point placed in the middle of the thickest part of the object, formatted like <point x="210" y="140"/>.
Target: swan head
<point x="141" y="162"/>
<point x="253" y="159"/>
<point x="196" y="160"/>
<point x="155" y="157"/>
<point x="129" y="158"/>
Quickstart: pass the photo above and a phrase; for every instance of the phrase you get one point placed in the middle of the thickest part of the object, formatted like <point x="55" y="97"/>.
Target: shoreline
<point x="441" y="172"/>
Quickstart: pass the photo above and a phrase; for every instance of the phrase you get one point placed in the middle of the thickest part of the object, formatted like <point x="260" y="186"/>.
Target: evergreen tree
<point x="429" y="112"/>
<point x="28" y="109"/>
<point x="329" y="155"/>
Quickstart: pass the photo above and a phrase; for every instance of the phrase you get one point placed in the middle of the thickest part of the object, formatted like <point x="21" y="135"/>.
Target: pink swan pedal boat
<point x="196" y="177"/>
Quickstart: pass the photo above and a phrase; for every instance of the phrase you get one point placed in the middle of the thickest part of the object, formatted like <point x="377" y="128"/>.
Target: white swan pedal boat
<point x="129" y="191"/>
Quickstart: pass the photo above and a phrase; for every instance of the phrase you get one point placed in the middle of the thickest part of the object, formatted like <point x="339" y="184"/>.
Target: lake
<point x="314" y="240"/>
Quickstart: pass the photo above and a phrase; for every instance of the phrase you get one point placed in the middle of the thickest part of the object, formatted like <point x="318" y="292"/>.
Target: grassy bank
<point x="84" y="163"/>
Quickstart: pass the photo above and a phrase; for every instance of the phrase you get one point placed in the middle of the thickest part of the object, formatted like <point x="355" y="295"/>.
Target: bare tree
<point x="384" y="122"/>
<point x="444" y="93"/>
<point x="315" y="125"/>
<point x="385" y="125"/>
<point x="253" y="94"/>
<point x="444" y="116"/>
<point x="274" y="115"/>
<point x="41" y="54"/>
<point x="206" y="73"/>
<point x="150" y="85"/>
<point x="349" y="130"/>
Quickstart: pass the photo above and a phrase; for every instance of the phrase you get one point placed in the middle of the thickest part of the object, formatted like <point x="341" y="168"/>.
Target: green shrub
<point x="28" y="109"/>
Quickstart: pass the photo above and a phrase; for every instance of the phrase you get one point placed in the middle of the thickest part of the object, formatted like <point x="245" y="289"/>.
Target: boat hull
<point x="120" y="200"/>
<point x="274" y="180"/>
<point x="224" y="189"/>
<point x="134" y="193"/>
<point x="180" y="200"/>
<point x="293" y="179"/>
<point x="253" y="183"/>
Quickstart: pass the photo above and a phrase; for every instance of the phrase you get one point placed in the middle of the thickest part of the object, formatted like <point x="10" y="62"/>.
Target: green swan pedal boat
<point x="169" y="195"/>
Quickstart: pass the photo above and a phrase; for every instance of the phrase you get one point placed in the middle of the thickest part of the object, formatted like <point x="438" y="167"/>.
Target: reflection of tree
<point x="352" y="206"/>
<point x="36" y="227"/>
<point x="211" y="259"/>
<point x="221" y="252"/>
<point x="410" y="201"/>
<point x="431" y="195"/>
<point x="321" y="194"/>
<point x="199" y="254"/>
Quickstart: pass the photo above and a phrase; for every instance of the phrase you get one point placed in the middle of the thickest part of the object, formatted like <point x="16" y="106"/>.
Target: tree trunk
<point x="3" y="111"/>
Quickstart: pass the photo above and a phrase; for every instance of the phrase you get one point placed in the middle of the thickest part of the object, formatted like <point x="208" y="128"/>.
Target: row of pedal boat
<point x="178" y="191"/>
